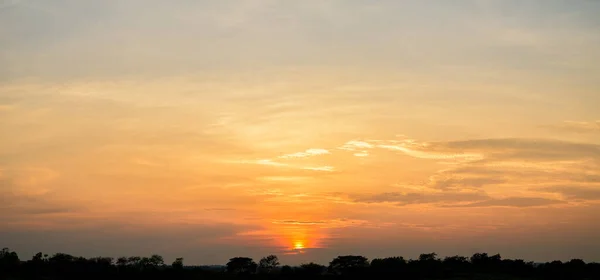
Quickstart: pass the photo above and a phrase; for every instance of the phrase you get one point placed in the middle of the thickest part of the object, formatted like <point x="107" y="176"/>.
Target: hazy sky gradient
<point x="308" y="129"/>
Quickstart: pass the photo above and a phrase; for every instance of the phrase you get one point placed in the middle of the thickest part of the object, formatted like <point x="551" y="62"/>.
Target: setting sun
<point x="298" y="245"/>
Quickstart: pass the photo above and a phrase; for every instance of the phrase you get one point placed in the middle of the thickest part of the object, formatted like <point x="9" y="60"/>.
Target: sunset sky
<point x="306" y="129"/>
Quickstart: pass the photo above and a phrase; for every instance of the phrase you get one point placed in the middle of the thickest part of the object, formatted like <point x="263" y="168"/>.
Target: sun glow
<point x="298" y="245"/>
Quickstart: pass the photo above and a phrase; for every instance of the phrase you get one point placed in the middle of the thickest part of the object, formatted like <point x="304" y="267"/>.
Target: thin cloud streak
<point x="307" y="153"/>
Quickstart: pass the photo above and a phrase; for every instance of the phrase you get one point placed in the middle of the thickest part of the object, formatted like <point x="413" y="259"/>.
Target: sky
<point x="307" y="129"/>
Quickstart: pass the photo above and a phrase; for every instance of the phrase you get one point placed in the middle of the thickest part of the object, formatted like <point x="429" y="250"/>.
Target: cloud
<point x="362" y="154"/>
<point x="293" y="222"/>
<point x="510" y="172"/>
<point x="307" y="153"/>
<point x="479" y="165"/>
<point x="329" y="223"/>
<point x="432" y="155"/>
<point x="320" y="168"/>
<point x="284" y="178"/>
<point x="520" y="149"/>
<point x="47" y="210"/>
<point x="353" y="145"/>
<point x="575" y="192"/>
<point x="16" y="207"/>
<point x="219" y="209"/>
<point x="27" y="181"/>
<point x="401" y="199"/>
<point x="484" y="149"/>
<point x="519" y="202"/>
<point x="576" y="126"/>
<point x="486" y="163"/>
<point x="409" y="147"/>
<point x="269" y="162"/>
<point x="449" y="181"/>
<point x="145" y="162"/>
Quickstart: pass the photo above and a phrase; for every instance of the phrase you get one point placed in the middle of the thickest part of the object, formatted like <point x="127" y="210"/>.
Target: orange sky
<point x="303" y="130"/>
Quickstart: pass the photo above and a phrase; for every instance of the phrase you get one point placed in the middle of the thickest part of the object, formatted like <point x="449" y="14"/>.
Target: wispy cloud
<point x="321" y="168"/>
<point x="401" y="198"/>
<point x="294" y="222"/>
<point x="354" y="145"/>
<point x="141" y="161"/>
<point x="491" y="164"/>
<point x="519" y="202"/>
<point x="269" y="162"/>
<point x="219" y="209"/>
<point x="409" y="147"/>
<point x="284" y="178"/>
<point x="431" y="155"/>
<point x="577" y="126"/>
<point x="522" y="149"/>
<point x="580" y="193"/>
<point x="362" y="154"/>
<point x="445" y="181"/>
<point x="492" y="149"/>
<point x="307" y="153"/>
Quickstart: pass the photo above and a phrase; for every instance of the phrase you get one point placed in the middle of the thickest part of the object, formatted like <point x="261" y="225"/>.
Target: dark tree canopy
<point x="388" y="265"/>
<point x="268" y="264"/>
<point x="178" y="263"/>
<point x="431" y="257"/>
<point x="8" y="257"/>
<point x="312" y="269"/>
<point x="241" y="265"/>
<point x="286" y="270"/>
<point x="347" y="264"/>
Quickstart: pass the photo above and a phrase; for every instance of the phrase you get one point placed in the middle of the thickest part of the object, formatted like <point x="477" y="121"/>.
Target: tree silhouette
<point x="484" y="262"/>
<point x="9" y="261"/>
<point x="122" y="262"/>
<point x="156" y="261"/>
<point x="268" y="264"/>
<point x="388" y="266"/>
<point x="38" y="258"/>
<point x="518" y="268"/>
<point x="286" y="270"/>
<point x="312" y="269"/>
<point x="575" y="268"/>
<point x="456" y="263"/>
<point x="178" y="263"/>
<point x="427" y="267"/>
<point x="431" y="257"/>
<point x="241" y="265"/>
<point x="348" y="264"/>
<point x="134" y="262"/>
<point x="61" y="258"/>
<point x="8" y="258"/>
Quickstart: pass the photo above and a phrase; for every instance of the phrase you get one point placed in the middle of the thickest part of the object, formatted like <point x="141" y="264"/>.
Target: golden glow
<point x="298" y="245"/>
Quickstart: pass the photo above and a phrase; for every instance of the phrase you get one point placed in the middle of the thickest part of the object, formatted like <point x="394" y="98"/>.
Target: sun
<point x="298" y="245"/>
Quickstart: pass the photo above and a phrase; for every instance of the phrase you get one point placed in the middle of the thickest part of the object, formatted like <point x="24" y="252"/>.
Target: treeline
<point x="427" y="266"/>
